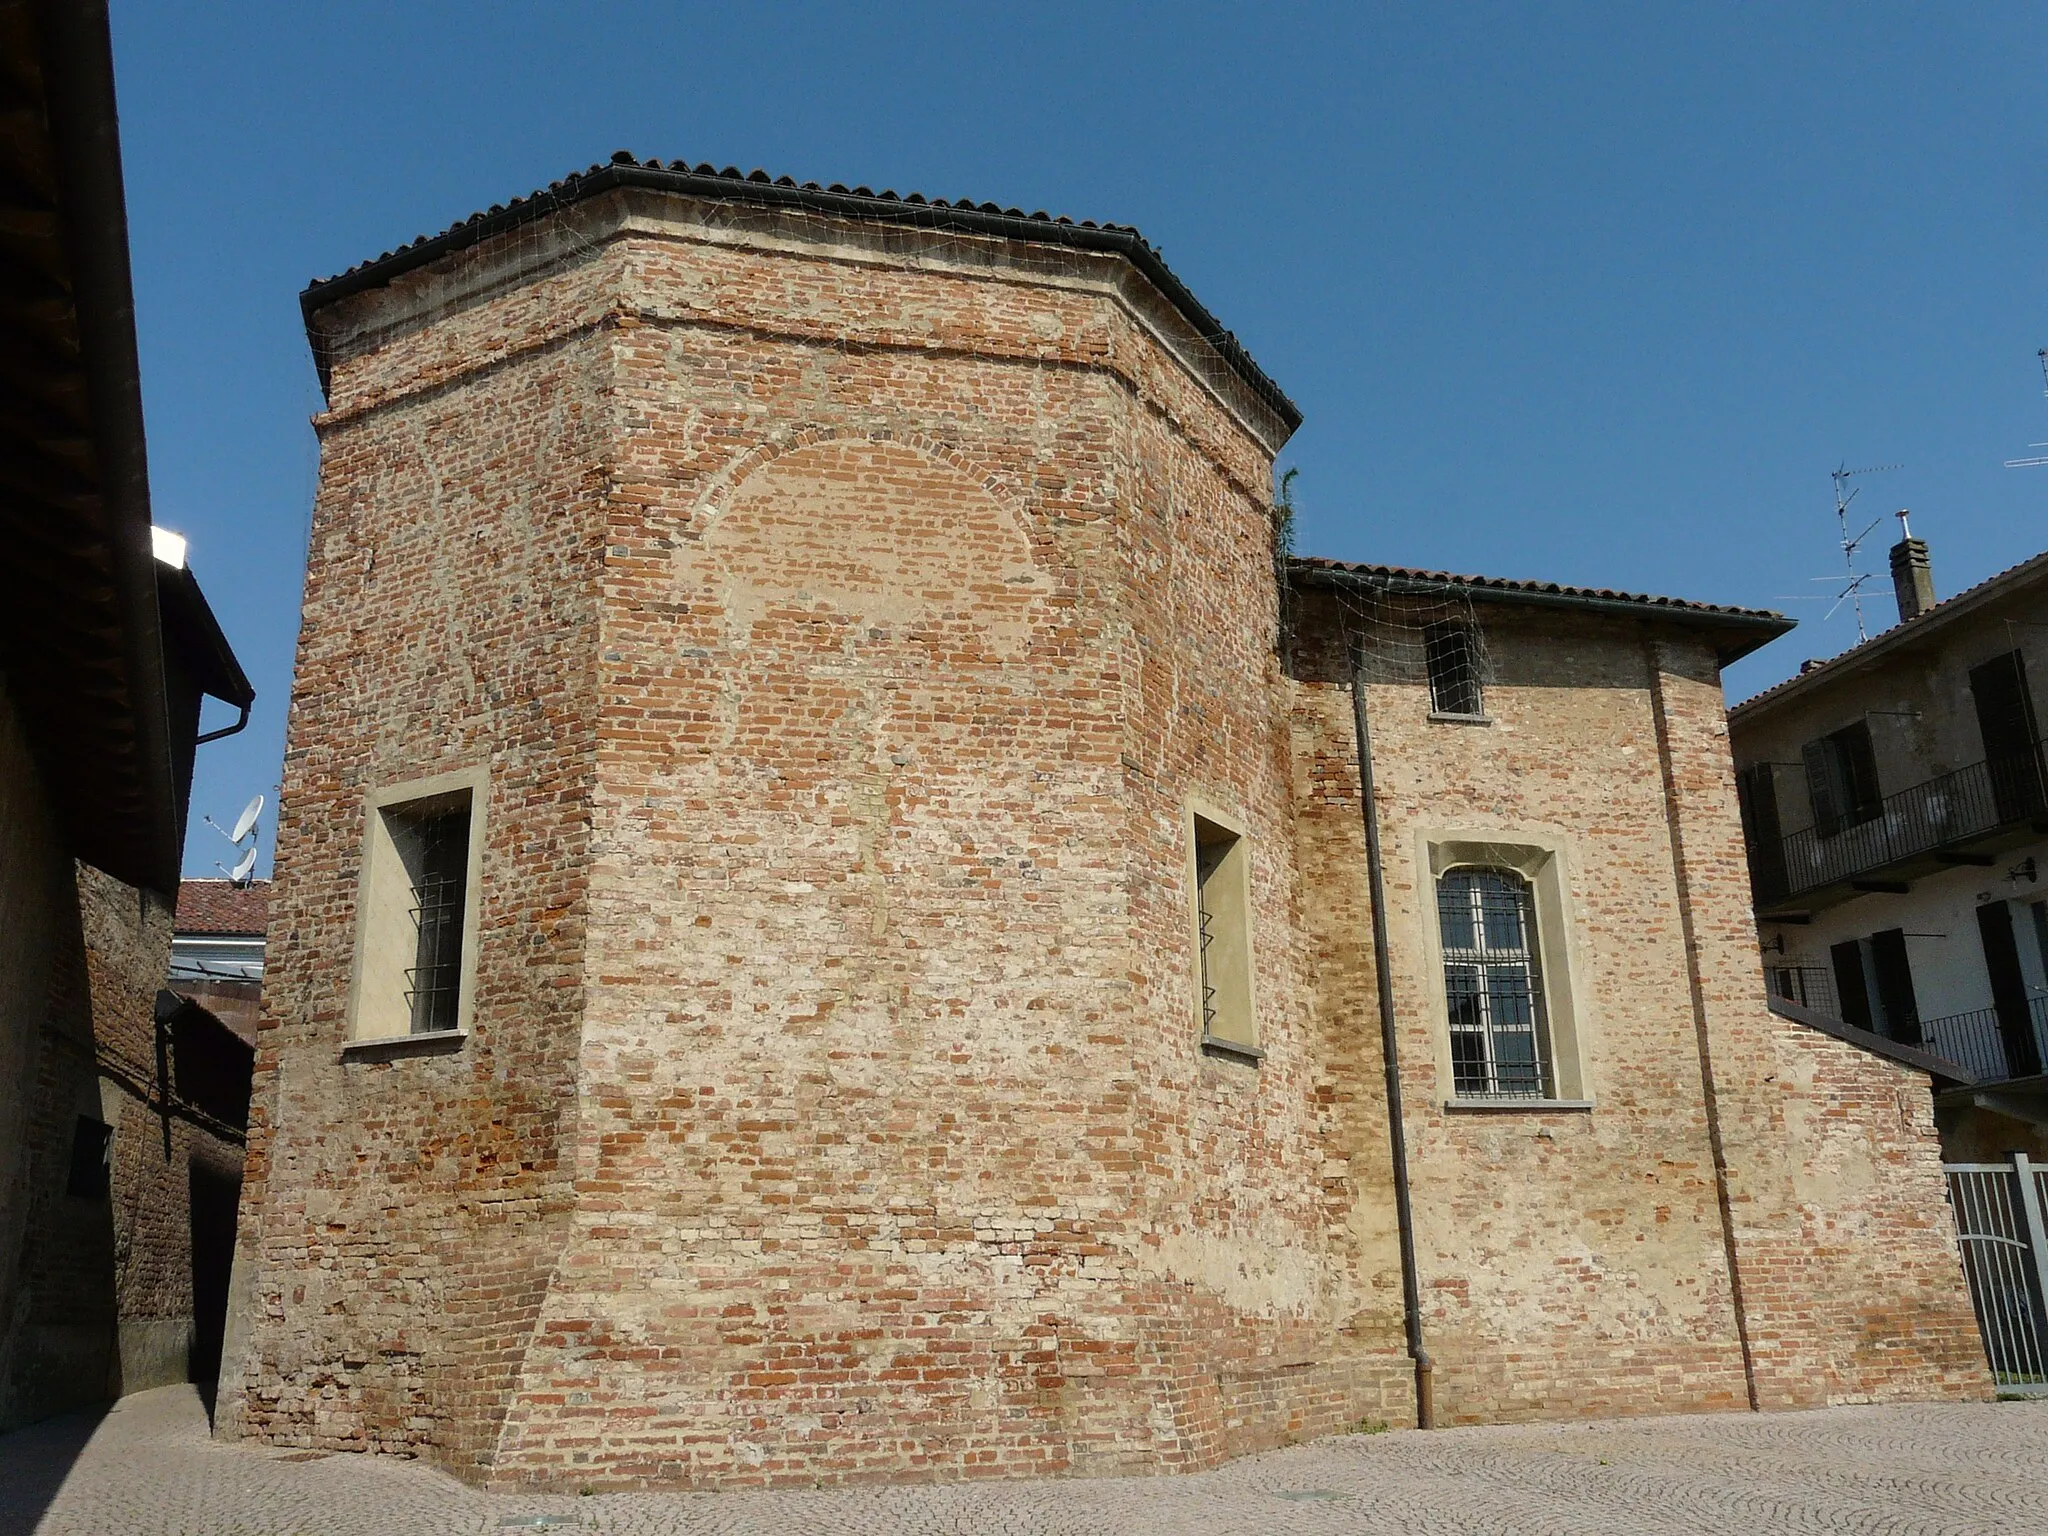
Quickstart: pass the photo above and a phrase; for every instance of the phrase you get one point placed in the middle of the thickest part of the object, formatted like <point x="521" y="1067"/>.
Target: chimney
<point x="1912" y="581"/>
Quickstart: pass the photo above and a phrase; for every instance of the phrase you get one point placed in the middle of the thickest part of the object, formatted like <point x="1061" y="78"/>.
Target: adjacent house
<point x="217" y="948"/>
<point x="1898" y="842"/>
<point x="1897" y="823"/>
<point x="842" y="911"/>
<point x="120" y="1155"/>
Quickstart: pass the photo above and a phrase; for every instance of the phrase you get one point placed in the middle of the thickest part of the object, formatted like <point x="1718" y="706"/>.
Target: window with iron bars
<point x="435" y="846"/>
<point x="1493" y="985"/>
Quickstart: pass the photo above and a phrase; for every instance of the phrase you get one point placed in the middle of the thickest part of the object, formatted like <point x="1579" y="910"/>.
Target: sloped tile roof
<point x="1403" y="575"/>
<point x="221" y="906"/>
<point x="731" y="184"/>
<point x="1737" y="631"/>
<point x="1905" y="630"/>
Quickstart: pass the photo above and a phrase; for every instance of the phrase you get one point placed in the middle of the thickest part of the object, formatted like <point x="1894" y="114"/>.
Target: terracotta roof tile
<point x="1506" y="585"/>
<point x="1947" y="608"/>
<point x="708" y="181"/>
<point x="221" y="906"/>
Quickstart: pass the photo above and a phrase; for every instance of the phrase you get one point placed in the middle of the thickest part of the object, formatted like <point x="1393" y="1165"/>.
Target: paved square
<point x="149" y="1469"/>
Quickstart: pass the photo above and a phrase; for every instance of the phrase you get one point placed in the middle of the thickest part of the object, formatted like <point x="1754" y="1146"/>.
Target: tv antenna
<point x="2030" y="463"/>
<point x="245" y="827"/>
<point x="1853" y="580"/>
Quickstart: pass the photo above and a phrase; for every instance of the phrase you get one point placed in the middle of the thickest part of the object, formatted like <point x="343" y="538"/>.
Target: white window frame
<point x="385" y="936"/>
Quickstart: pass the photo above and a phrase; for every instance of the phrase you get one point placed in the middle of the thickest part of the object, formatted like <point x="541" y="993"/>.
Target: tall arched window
<point x="1493" y="987"/>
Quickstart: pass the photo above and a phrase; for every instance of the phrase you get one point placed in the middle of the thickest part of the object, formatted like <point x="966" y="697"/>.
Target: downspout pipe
<point x="1390" y="1052"/>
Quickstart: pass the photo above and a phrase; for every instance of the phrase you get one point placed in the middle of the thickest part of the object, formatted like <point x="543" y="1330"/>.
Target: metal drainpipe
<point x="1404" y="1219"/>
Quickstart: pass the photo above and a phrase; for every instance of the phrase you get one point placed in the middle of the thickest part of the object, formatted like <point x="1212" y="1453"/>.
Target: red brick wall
<point x="1851" y="1281"/>
<point x="1577" y="1263"/>
<point x="403" y="1216"/>
<point x="101" y="1284"/>
<point x="847" y="623"/>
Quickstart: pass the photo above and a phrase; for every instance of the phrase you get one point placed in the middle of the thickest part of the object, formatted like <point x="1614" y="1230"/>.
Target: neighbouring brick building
<point x="823" y="925"/>
<point x="120" y="1132"/>
<point x="217" y="948"/>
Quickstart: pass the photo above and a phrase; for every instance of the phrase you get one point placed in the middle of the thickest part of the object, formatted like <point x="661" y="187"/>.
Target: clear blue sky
<point x="1591" y="293"/>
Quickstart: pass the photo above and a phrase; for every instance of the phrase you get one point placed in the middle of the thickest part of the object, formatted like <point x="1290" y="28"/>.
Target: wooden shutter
<point x="2005" y="720"/>
<point x="1895" y="985"/>
<point x="1823" y="786"/>
<point x="1849" y="989"/>
<point x="1756" y="792"/>
<point x="2008" y="989"/>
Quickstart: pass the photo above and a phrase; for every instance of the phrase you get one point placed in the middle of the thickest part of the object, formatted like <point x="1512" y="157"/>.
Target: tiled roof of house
<point x="758" y="187"/>
<point x="1906" y="630"/>
<point x="1736" y="631"/>
<point x="221" y="906"/>
<point x="1398" y="576"/>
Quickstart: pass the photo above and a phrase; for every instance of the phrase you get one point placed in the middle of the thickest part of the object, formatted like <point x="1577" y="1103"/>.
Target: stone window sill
<point x="1234" y="1050"/>
<point x="439" y="1042"/>
<point x="1437" y="719"/>
<point x="1522" y="1106"/>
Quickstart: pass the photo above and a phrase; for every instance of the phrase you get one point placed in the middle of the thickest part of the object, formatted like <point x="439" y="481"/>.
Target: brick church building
<point x="826" y="927"/>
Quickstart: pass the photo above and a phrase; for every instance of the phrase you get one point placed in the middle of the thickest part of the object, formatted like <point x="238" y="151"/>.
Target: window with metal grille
<point x="435" y="847"/>
<point x="417" y="918"/>
<point x="1493" y="986"/>
<point x="1450" y="651"/>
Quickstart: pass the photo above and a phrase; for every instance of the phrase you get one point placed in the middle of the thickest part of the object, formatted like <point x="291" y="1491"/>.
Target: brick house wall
<point x="99" y="1285"/>
<point x="1577" y="1262"/>
<point x="403" y="1217"/>
<point x="848" y="619"/>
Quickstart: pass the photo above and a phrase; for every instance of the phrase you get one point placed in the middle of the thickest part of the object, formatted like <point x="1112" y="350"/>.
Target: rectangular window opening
<point x="1451" y="652"/>
<point x="416" y="925"/>
<point x="1223" y="934"/>
<point x="1493" y="986"/>
<point x="433" y="842"/>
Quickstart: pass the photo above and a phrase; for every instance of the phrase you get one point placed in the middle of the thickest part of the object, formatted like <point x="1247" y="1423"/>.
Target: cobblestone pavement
<point x="148" y="1468"/>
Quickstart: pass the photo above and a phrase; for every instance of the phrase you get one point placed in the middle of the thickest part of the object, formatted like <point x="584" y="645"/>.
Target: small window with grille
<point x="1223" y="941"/>
<point x="1450" y="651"/>
<point x="417" y="918"/>
<point x="1493" y="985"/>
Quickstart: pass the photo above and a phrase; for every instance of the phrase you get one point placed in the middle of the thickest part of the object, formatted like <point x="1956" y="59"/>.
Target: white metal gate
<point x="1998" y="1210"/>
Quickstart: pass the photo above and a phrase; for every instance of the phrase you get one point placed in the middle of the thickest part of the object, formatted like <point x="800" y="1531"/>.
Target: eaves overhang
<point x="759" y="189"/>
<point x="80" y="639"/>
<point x="1924" y="629"/>
<point x="1734" y="632"/>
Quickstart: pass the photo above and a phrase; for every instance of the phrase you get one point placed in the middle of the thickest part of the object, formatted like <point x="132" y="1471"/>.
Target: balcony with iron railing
<point x="1993" y="1049"/>
<point x="1963" y="817"/>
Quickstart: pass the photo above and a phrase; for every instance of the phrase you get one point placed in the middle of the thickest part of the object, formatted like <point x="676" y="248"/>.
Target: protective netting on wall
<point x="1421" y="634"/>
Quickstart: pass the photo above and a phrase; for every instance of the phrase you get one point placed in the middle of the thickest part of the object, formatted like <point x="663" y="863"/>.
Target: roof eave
<point x="1109" y="239"/>
<point x="106" y="751"/>
<point x="1906" y="633"/>
<point x="1738" y="634"/>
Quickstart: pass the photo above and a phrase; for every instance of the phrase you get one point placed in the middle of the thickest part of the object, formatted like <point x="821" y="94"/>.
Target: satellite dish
<point x="240" y="873"/>
<point x="246" y="822"/>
